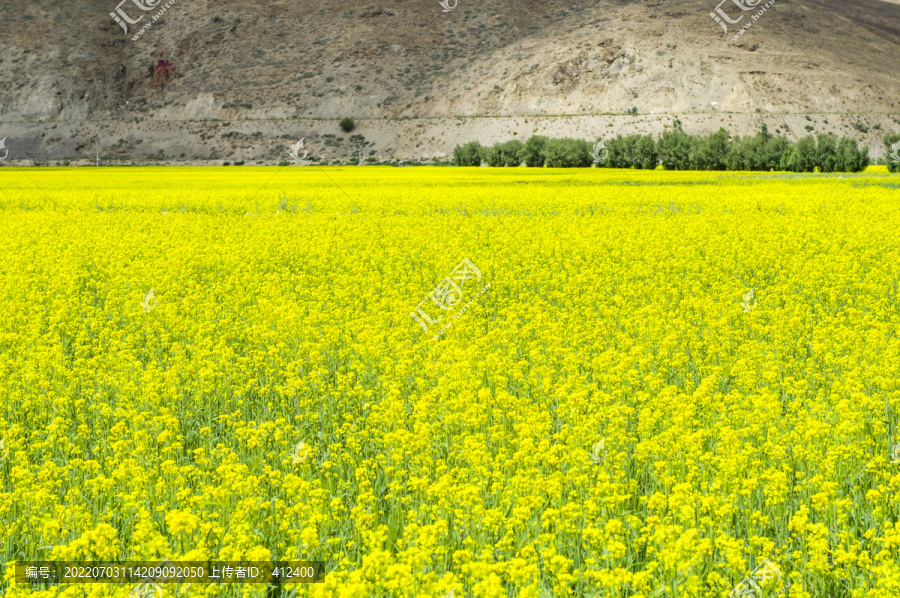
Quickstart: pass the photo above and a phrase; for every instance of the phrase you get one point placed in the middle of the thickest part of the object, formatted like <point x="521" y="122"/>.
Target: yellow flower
<point x="456" y="465"/>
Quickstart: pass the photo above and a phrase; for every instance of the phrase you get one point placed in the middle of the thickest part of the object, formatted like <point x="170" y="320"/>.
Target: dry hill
<point x="245" y="80"/>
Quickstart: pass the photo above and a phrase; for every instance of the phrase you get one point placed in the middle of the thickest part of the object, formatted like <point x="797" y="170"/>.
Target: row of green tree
<point x="677" y="150"/>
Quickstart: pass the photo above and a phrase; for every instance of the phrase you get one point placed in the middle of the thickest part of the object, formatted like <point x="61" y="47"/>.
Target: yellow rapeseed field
<point x="607" y="410"/>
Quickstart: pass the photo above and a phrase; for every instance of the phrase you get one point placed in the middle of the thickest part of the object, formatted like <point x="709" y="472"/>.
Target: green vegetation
<point x="677" y="150"/>
<point x="511" y="153"/>
<point x="469" y="154"/>
<point x="347" y="124"/>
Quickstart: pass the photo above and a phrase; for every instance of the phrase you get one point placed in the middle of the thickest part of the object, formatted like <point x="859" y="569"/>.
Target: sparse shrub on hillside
<point x="347" y="125"/>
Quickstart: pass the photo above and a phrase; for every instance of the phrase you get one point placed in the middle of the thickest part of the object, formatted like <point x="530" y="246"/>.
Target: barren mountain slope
<point x="277" y="67"/>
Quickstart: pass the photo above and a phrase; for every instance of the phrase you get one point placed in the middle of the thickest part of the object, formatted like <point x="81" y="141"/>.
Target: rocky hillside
<point x="242" y="81"/>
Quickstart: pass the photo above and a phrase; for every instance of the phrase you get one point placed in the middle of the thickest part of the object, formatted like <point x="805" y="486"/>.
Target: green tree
<point x="630" y="150"/>
<point x="633" y="151"/>
<point x="534" y="150"/>
<point x="674" y="148"/>
<point x="616" y="154"/>
<point x="802" y="157"/>
<point x="567" y="153"/>
<point x="646" y="156"/>
<point x="771" y="151"/>
<point x="469" y="154"/>
<point x="826" y="152"/>
<point x="512" y="153"/>
<point x="492" y="155"/>
<point x="741" y="154"/>
<point x="709" y="153"/>
<point x="509" y="153"/>
<point x="850" y="158"/>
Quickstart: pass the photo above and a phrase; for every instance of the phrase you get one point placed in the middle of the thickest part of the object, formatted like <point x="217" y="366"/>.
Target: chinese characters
<point x="447" y="294"/>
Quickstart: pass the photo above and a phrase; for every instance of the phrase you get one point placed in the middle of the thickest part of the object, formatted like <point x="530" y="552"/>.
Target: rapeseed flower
<point x="477" y="464"/>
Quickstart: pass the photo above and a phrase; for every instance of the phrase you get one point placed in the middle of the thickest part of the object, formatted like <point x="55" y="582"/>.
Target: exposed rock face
<point x="206" y="75"/>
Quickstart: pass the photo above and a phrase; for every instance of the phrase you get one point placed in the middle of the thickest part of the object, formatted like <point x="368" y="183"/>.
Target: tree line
<point x="677" y="150"/>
